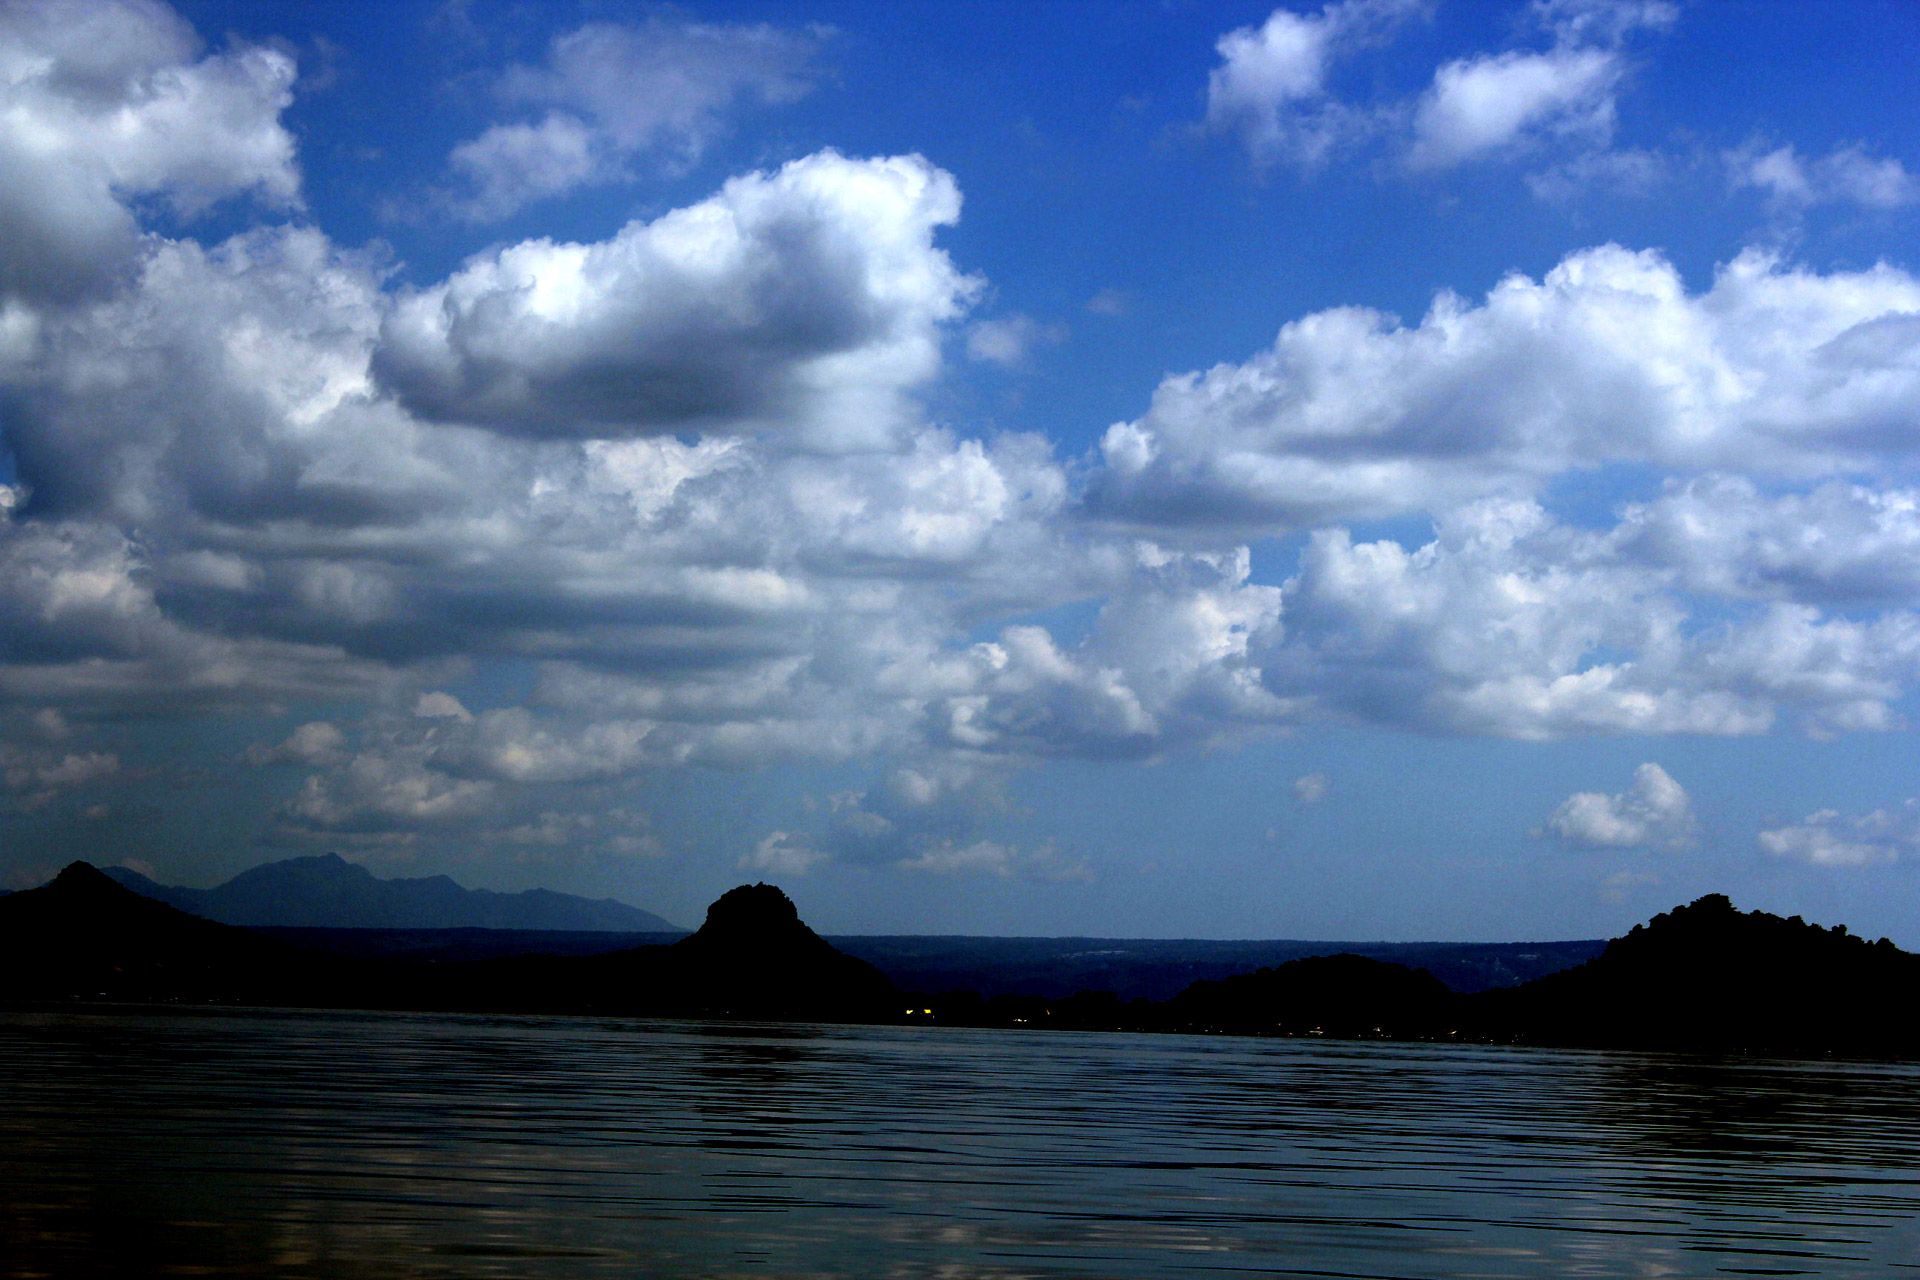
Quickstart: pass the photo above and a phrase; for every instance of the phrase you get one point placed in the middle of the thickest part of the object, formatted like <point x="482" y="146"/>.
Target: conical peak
<point x="77" y="875"/>
<point x="752" y="909"/>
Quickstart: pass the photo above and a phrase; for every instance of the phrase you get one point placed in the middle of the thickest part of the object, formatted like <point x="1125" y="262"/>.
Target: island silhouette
<point x="1704" y="976"/>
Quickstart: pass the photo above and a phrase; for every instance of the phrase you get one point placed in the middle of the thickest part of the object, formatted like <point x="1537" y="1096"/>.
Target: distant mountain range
<point x="327" y="891"/>
<point x="85" y="936"/>
<point x="326" y="903"/>
<point x="1702" y="977"/>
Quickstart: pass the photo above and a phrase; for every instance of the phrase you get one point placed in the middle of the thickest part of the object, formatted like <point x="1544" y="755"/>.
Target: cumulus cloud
<point x="1830" y="838"/>
<point x="807" y="300"/>
<point x="438" y="704"/>
<point x="1513" y="624"/>
<point x="39" y="775"/>
<point x="680" y="477"/>
<point x="1846" y="175"/>
<point x="1171" y="660"/>
<point x="385" y="791"/>
<point x="1271" y="88"/>
<point x="1311" y="789"/>
<point x="1607" y="359"/>
<point x="1655" y="812"/>
<point x="781" y="853"/>
<point x="1271" y="84"/>
<point x="1496" y="103"/>
<point x="515" y="164"/>
<point x="107" y="102"/>
<point x="1499" y="105"/>
<point x="612" y="93"/>
<point x="1837" y="544"/>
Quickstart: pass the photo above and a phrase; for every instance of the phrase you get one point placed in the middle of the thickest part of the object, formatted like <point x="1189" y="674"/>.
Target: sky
<point x="1388" y="469"/>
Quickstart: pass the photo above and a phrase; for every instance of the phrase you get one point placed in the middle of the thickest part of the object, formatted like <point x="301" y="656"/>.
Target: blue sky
<point x="1372" y="470"/>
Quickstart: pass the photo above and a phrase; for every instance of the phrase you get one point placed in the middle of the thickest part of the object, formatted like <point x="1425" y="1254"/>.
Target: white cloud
<point x="1170" y="661"/>
<point x="1603" y="22"/>
<point x="440" y="705"/>
<point x="514" y="164"/>
<point x="68" y="770"/>
<point x="1008" y="862"/>
<point x="1497" y="103"/>
<point x="1514" y="625"/>
<point x="1009" y="340"/>
<point x="1607" y="359"/>
<point x="1847" y="175"/>
<point x="39" y="775"/>
<point x="1830" y="838"/>
<point x="315" y="744"/>
<point x="106" y="101"/>
<point x="1842" y="545"/>
<point x="1311" y="789"/>
<point x="807" y="301"/>
<point x="1500" y="105"/>
<point x="1270" y="86"/>
<point x="1654" y="813"/>
<point x="782" y="853"/>
<point x="387" y="791"/>
<point x="681" y="475"/>
<point x="613" y="93"/>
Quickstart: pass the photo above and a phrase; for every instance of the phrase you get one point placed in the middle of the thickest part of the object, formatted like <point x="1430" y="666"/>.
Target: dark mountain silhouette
<point x="753" y="958"/>
<point x="83" y="935"/>
<point x="1707" y="976"/>
<point x="1700" y="977"/>
<point x="327" y="891"/>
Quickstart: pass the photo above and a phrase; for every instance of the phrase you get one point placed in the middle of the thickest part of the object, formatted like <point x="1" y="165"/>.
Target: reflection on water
<point x="302" y="1144"/>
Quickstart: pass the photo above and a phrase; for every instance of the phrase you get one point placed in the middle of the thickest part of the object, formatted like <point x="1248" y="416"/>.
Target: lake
<point x="256" y="1143"/>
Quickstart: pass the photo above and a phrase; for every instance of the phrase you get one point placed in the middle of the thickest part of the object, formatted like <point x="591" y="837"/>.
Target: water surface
<point x="345" y="1145"/>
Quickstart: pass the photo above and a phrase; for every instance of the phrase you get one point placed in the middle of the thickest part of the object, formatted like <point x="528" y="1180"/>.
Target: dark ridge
<point x="753" y="958"/>
<point x="83" y="935"/>
<point x="1702" y="977"/>
<point x="327" y="891"/>
<point x="1707" y="976"/>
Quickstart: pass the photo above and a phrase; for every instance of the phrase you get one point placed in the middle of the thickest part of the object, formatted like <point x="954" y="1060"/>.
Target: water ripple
<point x="346" y="1145"/>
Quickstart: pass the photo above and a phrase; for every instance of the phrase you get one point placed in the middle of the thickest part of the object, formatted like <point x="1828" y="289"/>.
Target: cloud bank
<point x="686" y="476"/>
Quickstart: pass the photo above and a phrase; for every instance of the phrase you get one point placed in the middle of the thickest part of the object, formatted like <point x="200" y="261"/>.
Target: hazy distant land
<point x="326" y="891"/>
<point x="329" y="904"/>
